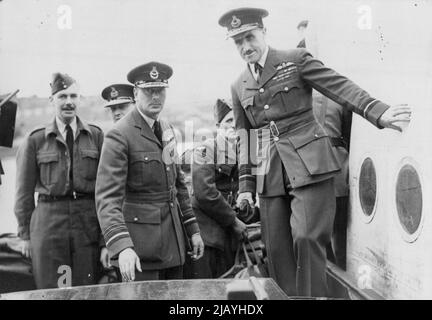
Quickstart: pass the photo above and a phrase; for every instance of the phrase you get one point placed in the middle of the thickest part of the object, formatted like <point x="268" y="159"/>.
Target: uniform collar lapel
<point x="249" y="79"/>
<point x="146" y="131"/>
<point x="269" y="67"/>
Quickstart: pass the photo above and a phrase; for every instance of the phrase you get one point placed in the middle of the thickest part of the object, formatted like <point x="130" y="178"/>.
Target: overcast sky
<point x="110" y="37"/>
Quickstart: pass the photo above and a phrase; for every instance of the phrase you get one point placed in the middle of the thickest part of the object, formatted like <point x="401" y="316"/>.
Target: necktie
<point x="69" y="142"/>
<point x="258" y="69"/>
<point x="157" y="131"/>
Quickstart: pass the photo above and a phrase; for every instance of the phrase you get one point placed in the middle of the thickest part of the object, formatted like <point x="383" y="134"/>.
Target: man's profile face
<point x="150" y="101"/>
<point x="118" y="111"/>
<point x="66" y="103"/>
<point x="251" y="44"/>
<point x="226" y="126"/>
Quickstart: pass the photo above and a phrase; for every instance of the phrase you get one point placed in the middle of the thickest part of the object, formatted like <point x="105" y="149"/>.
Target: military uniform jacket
<point x="283" y="96"/>
<point x="336" y="121"/>
<point x="141" y="197"/>
<point x="43" y="166"/>
<point x="215" y="187"/>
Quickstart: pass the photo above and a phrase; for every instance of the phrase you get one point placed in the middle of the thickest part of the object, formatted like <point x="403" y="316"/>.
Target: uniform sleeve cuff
<point x="375" y="113"/>
<point x="247" y="186"/>
<point x="119" y="245"/>
<point x="192" y="228"/>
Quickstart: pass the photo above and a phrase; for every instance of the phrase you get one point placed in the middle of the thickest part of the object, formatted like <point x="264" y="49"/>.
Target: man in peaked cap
<point x="142" y="201"/>
<point x="119" y="97"/>
<point x="215" y="186"/>
<point x="59" y="162"/>
<point x="273" y="96"/>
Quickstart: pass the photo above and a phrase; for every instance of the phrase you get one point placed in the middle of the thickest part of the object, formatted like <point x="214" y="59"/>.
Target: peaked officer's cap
<point x="150" y="75"/>
<point x="118" y="94"/>
<point x="242" y="19"/>
<point x="60" y="81"/>
<point x="221" y="109"/>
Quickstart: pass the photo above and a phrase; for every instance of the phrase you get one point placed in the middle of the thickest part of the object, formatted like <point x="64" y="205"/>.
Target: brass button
<point x="172" y="205"/>
<point x="266" y="107"/>
<point x="286" y="88"/>
<point x="276" y="138"/>
<point x="261" y="90"/>
<point x="168" y="169"/>
<point x="316" y="135"/>
<point x="146" y="158"/>
<point x="135" y="219"/>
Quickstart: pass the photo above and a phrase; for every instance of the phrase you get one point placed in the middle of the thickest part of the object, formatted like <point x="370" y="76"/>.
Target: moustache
<point x="69" y="107"/>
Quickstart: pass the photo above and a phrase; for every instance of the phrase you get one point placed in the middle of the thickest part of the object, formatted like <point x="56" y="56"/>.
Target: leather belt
<point x="287" y="124"/>
<point x="73" y="196"/>
<point x="163" y="196"/>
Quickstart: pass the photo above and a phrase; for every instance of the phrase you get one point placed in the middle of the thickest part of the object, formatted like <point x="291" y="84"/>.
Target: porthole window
<point x="409" y="199"/>
<point x="368" y="187"/>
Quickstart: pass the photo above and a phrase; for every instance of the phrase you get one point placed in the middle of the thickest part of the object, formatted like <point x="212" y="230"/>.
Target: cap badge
<point x="114" y="93"/>
<point x="154" y="74"/>
<point x="235" y="22"/>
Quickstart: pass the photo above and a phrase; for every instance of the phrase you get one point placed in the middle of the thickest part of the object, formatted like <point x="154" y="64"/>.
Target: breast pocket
<point x="287" y="95"/>
<point x="146" y="168"/>
<point x="313" y="146"/>
<point x="49" y="167"/>
<point x="88" y="167"/>
<point x="143" y="221"/>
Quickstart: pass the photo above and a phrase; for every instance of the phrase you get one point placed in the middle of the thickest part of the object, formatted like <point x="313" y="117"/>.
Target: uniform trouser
<point x="172" y="273"/>
<point x="336" y="251"/>
<point x="64" y="243"/>
<point x="214" y="263"/>
<point x="296" y="229"/>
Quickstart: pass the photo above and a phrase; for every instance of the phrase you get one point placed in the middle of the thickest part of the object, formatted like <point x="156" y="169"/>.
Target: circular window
<point x="367" y="187"/>
<point x="409" y="200"/>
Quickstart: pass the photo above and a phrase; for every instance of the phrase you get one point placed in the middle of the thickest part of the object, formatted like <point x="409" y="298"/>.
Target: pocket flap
<point x="246" y="102"/>
<point x="284" y="87"/>
<point x="47" y="157"/>
<point x="94" y="154"/>
<point x="141" y="213"/>
<point x="307" y="134"/>
<point x="145" y="156"/>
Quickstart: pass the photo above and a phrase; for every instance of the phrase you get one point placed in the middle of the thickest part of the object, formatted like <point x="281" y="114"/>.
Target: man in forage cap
<point x="59" y="161"/>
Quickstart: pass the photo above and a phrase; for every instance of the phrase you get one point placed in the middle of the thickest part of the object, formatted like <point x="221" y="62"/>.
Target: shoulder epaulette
<point x="93" y="125"/>
<point x="36" y="130"/>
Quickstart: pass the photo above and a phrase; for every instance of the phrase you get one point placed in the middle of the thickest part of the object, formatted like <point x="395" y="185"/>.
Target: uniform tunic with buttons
<point x="64" y="232"/>
<point x="295" y="163"/>
<point x="141" y="197"/>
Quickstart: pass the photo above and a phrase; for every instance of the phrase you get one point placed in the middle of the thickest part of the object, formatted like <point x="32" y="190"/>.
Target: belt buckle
<point x="274" y="129"/>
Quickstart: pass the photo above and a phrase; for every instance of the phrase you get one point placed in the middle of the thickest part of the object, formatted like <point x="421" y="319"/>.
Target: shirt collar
<point x="261" y="61"/>
<point x="61" y="126"/>
<point x="149" y="120"/>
